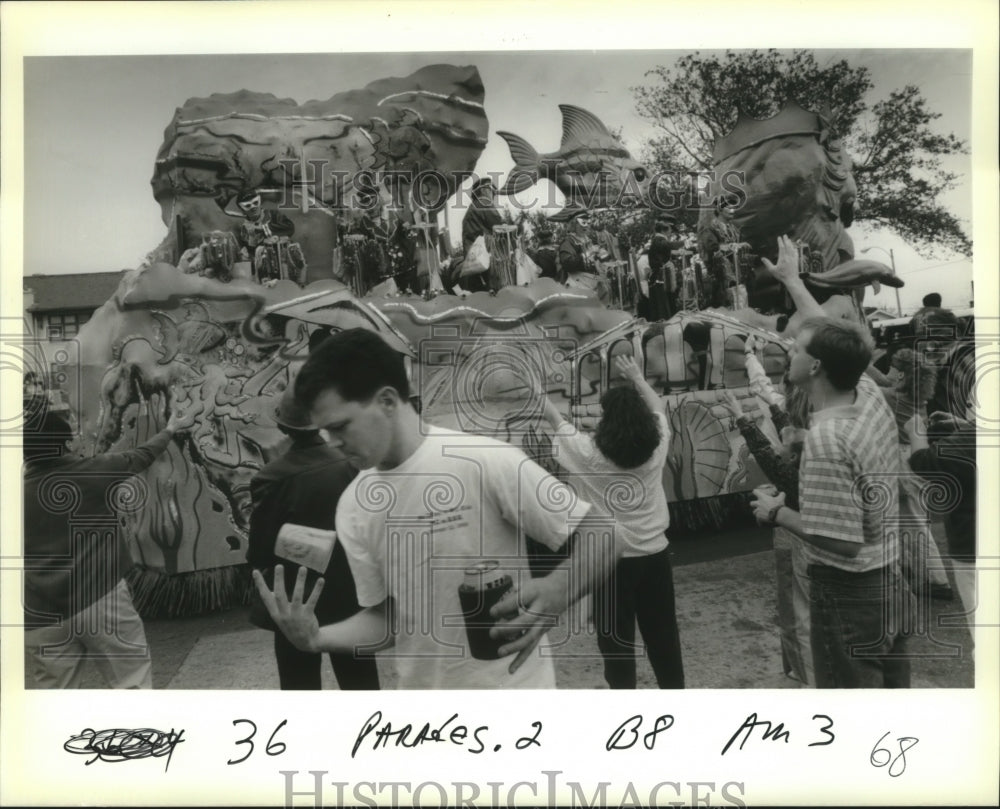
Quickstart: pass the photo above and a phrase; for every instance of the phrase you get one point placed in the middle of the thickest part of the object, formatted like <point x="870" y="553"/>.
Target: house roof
<point x="71" y="292"/>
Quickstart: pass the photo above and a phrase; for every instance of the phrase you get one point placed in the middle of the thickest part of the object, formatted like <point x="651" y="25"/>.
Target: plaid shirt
<point x="848" y="487"/>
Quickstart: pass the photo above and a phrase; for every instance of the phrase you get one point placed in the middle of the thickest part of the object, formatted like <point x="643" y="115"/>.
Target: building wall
<point x="54" y="360"/>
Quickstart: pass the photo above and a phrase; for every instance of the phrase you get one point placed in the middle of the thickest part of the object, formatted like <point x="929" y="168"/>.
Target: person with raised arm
<point x="848" y="511"/>
<point x="621" y="467"/>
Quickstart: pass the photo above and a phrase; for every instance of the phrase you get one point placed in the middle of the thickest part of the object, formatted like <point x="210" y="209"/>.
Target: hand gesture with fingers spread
<point x="295" y="618"/>
<point x="627" y="367"/>
<point x="787" y="268"/>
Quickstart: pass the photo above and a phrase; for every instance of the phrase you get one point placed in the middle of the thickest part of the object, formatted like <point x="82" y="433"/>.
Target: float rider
<point x="261" y="235"/>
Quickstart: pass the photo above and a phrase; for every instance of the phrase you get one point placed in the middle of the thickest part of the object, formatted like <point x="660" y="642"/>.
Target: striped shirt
<point x="848" y="487"/>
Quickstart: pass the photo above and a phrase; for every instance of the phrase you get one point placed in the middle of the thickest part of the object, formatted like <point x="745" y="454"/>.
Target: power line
<point x="934" y="266"/>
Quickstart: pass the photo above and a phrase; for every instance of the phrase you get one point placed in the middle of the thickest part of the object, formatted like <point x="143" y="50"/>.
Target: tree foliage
<point x="896" y="151"/>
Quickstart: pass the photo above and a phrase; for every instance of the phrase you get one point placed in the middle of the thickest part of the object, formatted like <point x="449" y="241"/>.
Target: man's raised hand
<point x="295" y="618"/>
<point x="787" y="268"/>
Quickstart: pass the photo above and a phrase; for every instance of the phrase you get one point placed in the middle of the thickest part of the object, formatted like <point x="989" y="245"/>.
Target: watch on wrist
<point x="772" y="515"/>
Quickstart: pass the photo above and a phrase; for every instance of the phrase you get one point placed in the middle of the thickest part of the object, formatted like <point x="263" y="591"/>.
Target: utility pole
<point x="892" y="261"/>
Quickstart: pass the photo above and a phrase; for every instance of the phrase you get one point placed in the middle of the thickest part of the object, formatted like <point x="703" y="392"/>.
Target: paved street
<point x="725" y="588"/>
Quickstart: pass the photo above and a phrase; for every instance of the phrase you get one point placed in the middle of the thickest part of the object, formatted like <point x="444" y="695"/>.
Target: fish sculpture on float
<point x="592" y="168"/>
<point x="795" y="180"/>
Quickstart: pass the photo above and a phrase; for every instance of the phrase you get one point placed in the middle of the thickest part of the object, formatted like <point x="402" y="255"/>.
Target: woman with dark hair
<point x="621" y="467"/>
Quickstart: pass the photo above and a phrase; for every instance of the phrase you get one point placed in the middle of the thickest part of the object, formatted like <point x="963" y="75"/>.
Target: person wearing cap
<point x="77" y="604"/>
<point x="720" y="241"/>
<point x="574" y="251"/>
<point x="302" y="487"/>
<point x="479" y="220"/>
<point x="932" y="300"/>
<point x="662" y="288"/>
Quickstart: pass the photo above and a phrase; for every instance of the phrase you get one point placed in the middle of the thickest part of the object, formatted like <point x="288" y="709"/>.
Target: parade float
<point x="196" y="325"/>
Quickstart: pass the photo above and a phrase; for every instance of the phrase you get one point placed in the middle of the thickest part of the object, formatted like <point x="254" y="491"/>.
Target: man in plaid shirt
<point x="848" y="511"/>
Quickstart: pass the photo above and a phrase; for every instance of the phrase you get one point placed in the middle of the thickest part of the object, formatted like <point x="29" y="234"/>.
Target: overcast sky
<point x="93" y="125"/>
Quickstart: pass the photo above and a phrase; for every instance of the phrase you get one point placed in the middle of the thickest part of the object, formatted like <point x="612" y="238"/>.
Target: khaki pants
<point x="109" y="632"/>
<point x="793" y="606"/>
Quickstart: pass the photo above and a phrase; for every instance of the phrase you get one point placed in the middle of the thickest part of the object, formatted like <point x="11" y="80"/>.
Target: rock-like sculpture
<point x="307" y="157"/>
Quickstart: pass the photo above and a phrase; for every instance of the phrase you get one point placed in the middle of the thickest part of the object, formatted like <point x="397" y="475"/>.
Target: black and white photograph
<point x="548" y="362"/>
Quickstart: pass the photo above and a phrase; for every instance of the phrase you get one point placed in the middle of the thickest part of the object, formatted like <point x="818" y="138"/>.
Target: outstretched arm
<point x="787" y="271"/>
<point x="136" y="460"/>
<point x="760" y="382"/>
<point x="628" y="368"/>
<point x="782" y="472"/>
<point x="551" y="413"/>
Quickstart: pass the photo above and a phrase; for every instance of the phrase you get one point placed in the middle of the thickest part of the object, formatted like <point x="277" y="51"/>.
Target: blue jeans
<point x="855" y="621"/>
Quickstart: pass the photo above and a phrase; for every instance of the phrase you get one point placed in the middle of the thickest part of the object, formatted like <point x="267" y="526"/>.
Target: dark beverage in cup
<point x="483" y="587"/>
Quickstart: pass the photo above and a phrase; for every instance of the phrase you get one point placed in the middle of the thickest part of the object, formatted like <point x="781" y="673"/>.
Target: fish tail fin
<point x="526" y="160"/>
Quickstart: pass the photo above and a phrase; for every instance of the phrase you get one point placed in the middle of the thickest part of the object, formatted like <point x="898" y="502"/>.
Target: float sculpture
<point x="196" y="331"/>
<point x="592" y="167"/>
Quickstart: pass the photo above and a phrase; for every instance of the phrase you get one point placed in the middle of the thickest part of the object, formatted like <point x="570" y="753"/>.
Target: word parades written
<point x="546" y="791"/>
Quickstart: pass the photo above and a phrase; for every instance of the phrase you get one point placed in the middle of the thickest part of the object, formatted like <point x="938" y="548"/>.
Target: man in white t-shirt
<point x="428" y="504"/>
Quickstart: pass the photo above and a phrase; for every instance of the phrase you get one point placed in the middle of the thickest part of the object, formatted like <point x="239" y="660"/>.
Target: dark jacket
<point x="954" y="456"/>
<point x="478" y="221"/>
<point x="781" y="471"/>
<point x="303" y="487"/>
<point x="251" y="234"/>
<point x="573" y="255"/>
<point x="545" y="258"/>
<point x="660" y="252"/>
<point x="73" y="553"/>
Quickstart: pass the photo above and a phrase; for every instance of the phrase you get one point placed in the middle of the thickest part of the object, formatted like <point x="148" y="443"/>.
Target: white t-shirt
<point x="411" y="532"/>
<point x="635" y="497"/>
